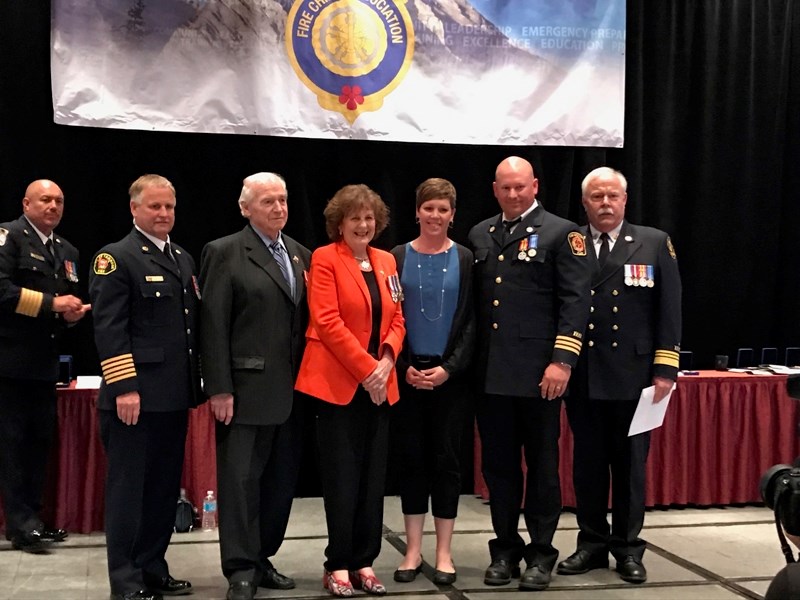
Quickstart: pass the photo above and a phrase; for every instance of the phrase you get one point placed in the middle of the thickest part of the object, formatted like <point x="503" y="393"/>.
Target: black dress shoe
<point x="582" y="561"/>
<point x="500" y="572"/>
<point x="275" y="581"/>
<point x="407" y="575"/>
<point x="535" y="577"/>
<point x="632" y="570"/>
<point x="30" y="541"/>
<point x="241" y="590"/>
<point x="137" y="595"/>
<point x="444" y="578"/>
<point x="168" y="586"/>
<point x="54" y="535"/>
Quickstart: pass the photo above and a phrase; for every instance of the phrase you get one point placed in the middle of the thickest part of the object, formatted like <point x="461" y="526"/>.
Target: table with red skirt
<point x="721" y="432"/>
<point x="75" y="493"/>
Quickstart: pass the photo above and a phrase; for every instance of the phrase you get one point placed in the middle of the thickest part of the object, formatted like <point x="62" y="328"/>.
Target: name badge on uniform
<point x="37" y="256"/>
<point x="153" y="278"/>
<point x="71" y="269"/>
<point x="393" y="281"/>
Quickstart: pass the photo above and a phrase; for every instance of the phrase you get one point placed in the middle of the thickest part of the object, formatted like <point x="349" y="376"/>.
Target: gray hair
<point x="604" y="172"/>
<point x="258" y="178"/>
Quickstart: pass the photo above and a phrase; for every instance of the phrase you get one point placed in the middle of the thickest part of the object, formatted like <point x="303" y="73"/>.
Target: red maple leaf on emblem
<point x="351" y="96"/>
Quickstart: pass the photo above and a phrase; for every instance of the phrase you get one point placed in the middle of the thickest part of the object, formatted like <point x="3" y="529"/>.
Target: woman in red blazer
<point x="355" y="334"/>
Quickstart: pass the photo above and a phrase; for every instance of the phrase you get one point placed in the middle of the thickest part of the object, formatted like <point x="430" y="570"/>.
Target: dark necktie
<point x="168" y="253"/>
<point x="51" y="256"/>
<point x="605" y="249"/>
<point x="279" y="254"/>
<point x="508" y="226"/>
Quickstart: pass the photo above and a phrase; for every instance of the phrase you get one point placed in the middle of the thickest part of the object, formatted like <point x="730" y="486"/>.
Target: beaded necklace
<point x="441" y="299"/>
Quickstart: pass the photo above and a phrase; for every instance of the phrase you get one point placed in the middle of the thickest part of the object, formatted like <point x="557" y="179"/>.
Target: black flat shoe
<point x="407" y="575"/>
<point x="444" y="578"/>
<point x="137" y="595"/>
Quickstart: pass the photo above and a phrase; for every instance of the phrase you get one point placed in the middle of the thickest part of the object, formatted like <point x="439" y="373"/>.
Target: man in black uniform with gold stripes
<point x="38" y="300"/>
<point x="145" y="300"/>
<point x="532" y="300"/>
<point x="632" y="342"/>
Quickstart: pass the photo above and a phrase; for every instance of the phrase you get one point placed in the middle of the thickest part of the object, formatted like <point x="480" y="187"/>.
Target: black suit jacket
<point x="634" y="331"/>
<point x="145" y="310"/>
<point x="253" y="330"/>
<point x="530" y="312"/>
<point x="29" y="279"/>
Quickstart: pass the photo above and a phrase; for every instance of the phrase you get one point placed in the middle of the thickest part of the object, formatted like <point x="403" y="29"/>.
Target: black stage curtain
<point x="712" y="155"/>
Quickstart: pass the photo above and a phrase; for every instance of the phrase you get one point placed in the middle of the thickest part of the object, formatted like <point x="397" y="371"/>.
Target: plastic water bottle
<point x="209" y="521"/>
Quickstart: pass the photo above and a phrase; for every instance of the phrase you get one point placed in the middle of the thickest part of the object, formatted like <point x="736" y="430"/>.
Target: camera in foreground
<point x="780" y="490"/>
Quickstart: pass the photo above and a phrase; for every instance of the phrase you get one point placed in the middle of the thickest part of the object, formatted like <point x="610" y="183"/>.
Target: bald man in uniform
<point x="38" y="301"/>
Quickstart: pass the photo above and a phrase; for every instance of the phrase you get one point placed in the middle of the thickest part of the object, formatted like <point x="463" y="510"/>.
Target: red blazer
<point x="336" y="361"/>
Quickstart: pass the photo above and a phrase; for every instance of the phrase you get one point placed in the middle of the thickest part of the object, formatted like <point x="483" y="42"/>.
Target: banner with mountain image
<point x="516" y="72"/>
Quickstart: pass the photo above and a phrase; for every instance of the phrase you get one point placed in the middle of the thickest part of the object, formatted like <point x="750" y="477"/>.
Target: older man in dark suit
<point x="254" y="319"/>
<point x="532" y="301"/>
<point x="145" y="298"/>
<point x="632" y="342"/>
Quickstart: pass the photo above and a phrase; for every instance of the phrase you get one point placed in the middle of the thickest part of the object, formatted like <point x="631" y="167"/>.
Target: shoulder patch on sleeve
<point x="576" y="243"/>
<point x="3" y="236"/>
<point x="671" y="248"/>
<point x="104" y="264"/>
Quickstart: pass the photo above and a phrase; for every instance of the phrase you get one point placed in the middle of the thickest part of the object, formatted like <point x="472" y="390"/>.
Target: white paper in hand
<point x="649" y="415"/>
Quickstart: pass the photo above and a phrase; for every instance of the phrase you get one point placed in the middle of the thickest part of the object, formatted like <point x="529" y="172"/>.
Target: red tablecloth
<point x="721" y="432"/>
<point x="74" y="499"/>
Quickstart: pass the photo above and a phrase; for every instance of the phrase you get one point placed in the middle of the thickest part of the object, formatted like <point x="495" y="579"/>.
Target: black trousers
<point x="603" y="455"/>
<point x="426" y="429"/>
<point x="257" y="469"/>
<point x="353" y="445"/>
<point x="27" y="428"/>
<point x="507" y="425"/>
<point x="143" y="482"/>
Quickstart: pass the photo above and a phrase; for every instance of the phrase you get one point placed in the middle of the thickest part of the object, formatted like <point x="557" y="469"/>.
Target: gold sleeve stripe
<point x="118" y="368"/>
<point x="666" y="357"/>
<point x="125" y="375"/>
<point x="121" y="359"/>
<point x="30" y="302"/>
<point x="568" y="343"/>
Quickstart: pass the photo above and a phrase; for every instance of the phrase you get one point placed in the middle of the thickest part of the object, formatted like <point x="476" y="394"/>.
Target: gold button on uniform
<point x="501" y="258"/>
<point x="591" y="343"/>
<point x="615" y="309"/>
<point x="498" y="280"/>
<point x="613" y="344"/>
<point x="591" y="309"/>
<point x="592" y="292"/>
<point x="495" y="326"/>
<point x="591" y="325"/>
<point x="615" y="327"/>
<point x="158" y="294"/>
<point x="615" y="293"/>
<point x="496" y="303"/>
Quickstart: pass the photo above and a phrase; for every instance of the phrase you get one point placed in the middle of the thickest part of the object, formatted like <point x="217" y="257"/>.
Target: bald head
<point x="43" y="205"/>
<point x="515" y="186"/>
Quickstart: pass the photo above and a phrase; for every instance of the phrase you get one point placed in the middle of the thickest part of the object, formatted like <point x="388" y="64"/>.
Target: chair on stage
<point x="792" y="356"/>
<point x="769" y="356"/>
<point x="744" y="358"/>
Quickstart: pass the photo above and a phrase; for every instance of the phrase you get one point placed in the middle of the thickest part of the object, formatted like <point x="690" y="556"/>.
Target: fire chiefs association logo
<point x="350" y="53"/>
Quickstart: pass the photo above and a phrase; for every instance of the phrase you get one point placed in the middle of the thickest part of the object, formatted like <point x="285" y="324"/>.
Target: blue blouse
<point x="430" y="286"/>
